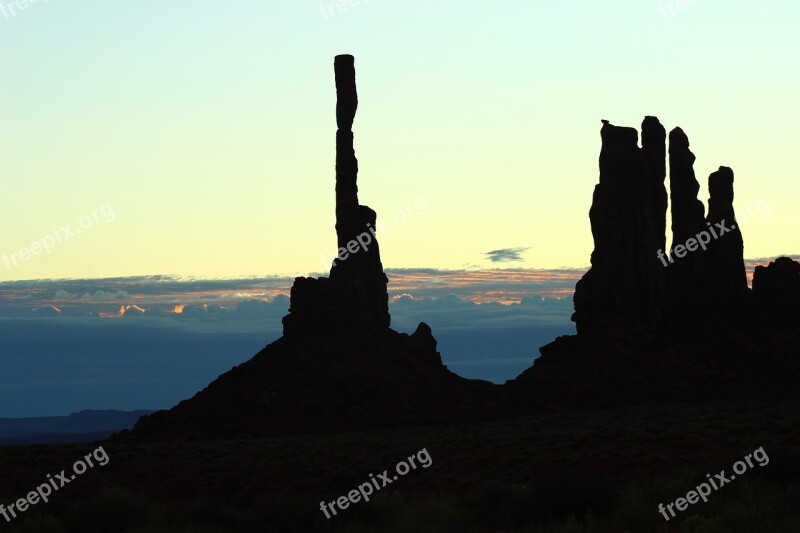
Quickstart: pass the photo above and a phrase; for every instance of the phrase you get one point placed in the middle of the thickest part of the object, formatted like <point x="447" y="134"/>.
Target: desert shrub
<point x="111" y="510"/>
<point x="200" y="512"/>
<point x="36" y="523"/>
<point x="185" y="529"/>
<point x="285" y="513"/>
<point x="575" y="494"/>
<point x="438" y="513"/>
<point x="498" y="505"/>
<point x="637" y="508"/>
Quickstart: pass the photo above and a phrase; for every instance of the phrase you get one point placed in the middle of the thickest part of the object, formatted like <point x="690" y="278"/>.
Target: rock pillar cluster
<point x="634" y="279"/>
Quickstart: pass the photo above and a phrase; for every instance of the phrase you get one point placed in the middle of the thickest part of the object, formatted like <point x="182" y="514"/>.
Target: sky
<point x="208" y="128"/>
<point x="159" y="155"/>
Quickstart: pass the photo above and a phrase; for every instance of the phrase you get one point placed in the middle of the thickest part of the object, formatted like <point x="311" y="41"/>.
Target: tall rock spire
<point x="686" y="276"/>
<point x="355" y="294"/>
<point x="727" y="277"/>
<point x="655" y="151"/>
<point x="355" y="223"/>
<point x="347" y="217"/>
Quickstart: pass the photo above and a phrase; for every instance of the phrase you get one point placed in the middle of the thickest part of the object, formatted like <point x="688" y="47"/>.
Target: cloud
<point x="132" y="310"/>
<point x="454" y="313"/>
<point x="246" y="303"/>
<point x="47" y="310"/>
<point x="484" y="286"/>
<point x="102" y="296"/>
<point x="505" y="255"/>
<point x="261" y="309"/>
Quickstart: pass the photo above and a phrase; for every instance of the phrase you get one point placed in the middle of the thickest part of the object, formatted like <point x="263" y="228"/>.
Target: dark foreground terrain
<point x="578" y="470"/>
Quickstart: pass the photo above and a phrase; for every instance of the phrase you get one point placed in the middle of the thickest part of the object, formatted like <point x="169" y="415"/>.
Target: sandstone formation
<point x="727" y="278"/>
<point x="634" y="279"/>
<point x="654" y="325"/>
<point x="332" y="381"/>
<point x="625" y="284"/>
<point x="654" y="149"/>
<point x="776" y="287"/>
<point x="355" y="293"/>
<point x="338" y="366"/>
<point x="715" y="340"/>
<point x="686" y="276"/>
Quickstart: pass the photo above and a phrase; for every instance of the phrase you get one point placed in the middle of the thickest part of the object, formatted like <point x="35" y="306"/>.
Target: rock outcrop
<point x="654" y="149"/>
<point x="334" y="381"/>
<point x="628" y="213"/>
<point x="356" y="291"/>
<point x="634" y="280"/>
<point x="338" y="366"/>
<point x="727" y="278"/>
<point x="776" y="287"/>
<point x="686" y="276"/>
<point x="653" y="324"/>
<point x="713" y="343"/>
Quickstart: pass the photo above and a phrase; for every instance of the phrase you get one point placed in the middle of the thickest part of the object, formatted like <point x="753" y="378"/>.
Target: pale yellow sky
<point x="209" y="130"/>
